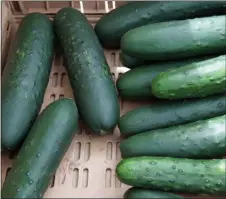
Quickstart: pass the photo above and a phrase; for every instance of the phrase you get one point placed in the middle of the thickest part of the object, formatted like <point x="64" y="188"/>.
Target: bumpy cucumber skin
<point x="136" y="192"/>
<point x="165" y="114"/>
<point x="25" y="78"/>
<point x="174" y="174"/>
<point x="194" y="37"/>
<point x="89" y="74"/>
<point x="131" y="62"/>
<point x="42" y="151"/>
<point x="136" y="83"/>
<point x="113" y="25"/>
<point x="200" y="139"/>
<point x="193" y="80"/>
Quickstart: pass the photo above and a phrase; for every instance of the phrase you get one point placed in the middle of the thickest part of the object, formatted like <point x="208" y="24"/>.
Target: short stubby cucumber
<point x="136" y="83"/>
<point x="175" y="40"/>
<point x="25" y="78"/>
<point x="171" y="113"/>
<point x="114" y="24"/>
<point x="200" y="139"/>
<point x="42" y="151"/>
<point x="174" y="174"/>
<point x="136" y="192"/>
<point x="198" y="79"/>
<point x="88" y="71"/>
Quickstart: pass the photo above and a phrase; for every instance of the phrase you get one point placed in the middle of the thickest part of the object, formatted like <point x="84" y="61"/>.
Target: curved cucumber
<point x="89" y="74"/>
<point x="25" y="78"/>
<point x="42" y="151"/>
<point x="166" y="114"/>
<point x="174" y="174"/>
<point x="201" y="139"/>
<point x="193" y="80"/>
<point x="113" y="25"/>
<point x="136" y="83"/>
<point x="193" y="37"/>
<point x="135" y="192"/>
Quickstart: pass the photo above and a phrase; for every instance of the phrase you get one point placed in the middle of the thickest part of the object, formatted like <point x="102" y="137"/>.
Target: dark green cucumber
<point x="192" y="37"/>
<point x="200" y="139"/>
<point x="131" y="62"/>
<point x="174" y="174"/>
<point x="89" y="74"/>
<point x="136" y="83"/>
<point x="170" y="113"/>
<point x="198" y="79"/>
<point x="25" y="78"/>
<point x="113" y="25"/>
<point x="42" y="151"/>
<point x="136" y="192"/>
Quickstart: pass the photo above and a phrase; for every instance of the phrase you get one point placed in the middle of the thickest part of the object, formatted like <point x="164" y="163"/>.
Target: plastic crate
<point x="88" y="168"/>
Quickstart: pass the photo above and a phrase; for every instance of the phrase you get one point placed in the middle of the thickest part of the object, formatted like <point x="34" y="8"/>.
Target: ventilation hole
<point x="62" y="83"/>
<point x="109" y="151"/>
<point x="113" y="76"/>
<point x="52" y="97"/>
<point x="113" y="59"/>
<point x="81" y="128"/>
<point x="61" y="96"/>
<point x="54" y="79"/>
<point x="57" y="59"/>
<point x="7" y="171"/>
<point x="75" y="178"/>
<point x="119" y="74"/>
<point x="118" y="153"/>
<point x="97" y="5"/>
<point x="87" y="151"/>
<point x="52" y="182"/>
<point x="117" y="182"/>
<point x="16" y="6"/>
<point x="85" y="178"/>
<point x="8" y="25"/>
<point x="108" y="178"/>
<point x="77" y="151"/>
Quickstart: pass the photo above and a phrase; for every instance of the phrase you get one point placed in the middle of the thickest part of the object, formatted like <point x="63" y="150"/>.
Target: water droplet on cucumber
<point x="158" y="174"/>
<point x="180" y="171"/>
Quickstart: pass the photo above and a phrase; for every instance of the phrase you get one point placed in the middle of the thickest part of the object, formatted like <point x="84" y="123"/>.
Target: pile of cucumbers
<point x="176" y="52"/>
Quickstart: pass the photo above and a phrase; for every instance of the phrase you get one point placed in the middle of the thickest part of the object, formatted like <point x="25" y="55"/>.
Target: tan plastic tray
<point x="88" y="168"/>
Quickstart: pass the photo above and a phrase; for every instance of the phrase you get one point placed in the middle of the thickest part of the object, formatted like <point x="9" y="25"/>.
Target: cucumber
<point x="136" y="83"/>
<point x="25" y="78"/>
<point x="131" y="62"/>
<point x="174" y="174"/>
<point x="193" y="80"/>
<point x="166" y="113"/>
<point x="89" y="74"/>
<point x="200" y="139"/>
<point x="42" y="151"/>
<point x="113" y="25"/>
<point x="193" y="37"/>
<point x="136" y="192"/>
